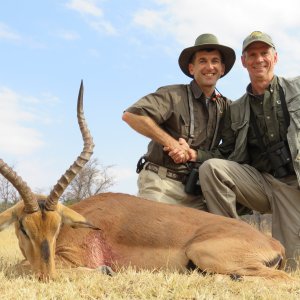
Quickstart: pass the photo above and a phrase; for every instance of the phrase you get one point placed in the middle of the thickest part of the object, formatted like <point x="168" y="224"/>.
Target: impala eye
<point x="23" y="230"/>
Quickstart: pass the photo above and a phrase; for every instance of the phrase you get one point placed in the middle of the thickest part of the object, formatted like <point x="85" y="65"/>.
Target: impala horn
<point x="79" y="163"/>
<point x="21" y="186"/>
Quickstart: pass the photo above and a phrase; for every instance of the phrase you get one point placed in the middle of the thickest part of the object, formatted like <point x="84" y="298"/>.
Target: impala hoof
<point x="236" y="277"/>
<point x="106" y="270"/>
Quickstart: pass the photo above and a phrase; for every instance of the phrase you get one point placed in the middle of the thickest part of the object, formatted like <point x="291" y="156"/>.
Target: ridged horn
<point x="21" y="186"/>
<point x="81" y="160"/>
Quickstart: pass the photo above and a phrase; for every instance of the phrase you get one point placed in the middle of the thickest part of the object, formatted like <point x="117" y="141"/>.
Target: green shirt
<point x="169" y="107"/>
<point x="270" y="123"/>
<point x="237" y="122"/>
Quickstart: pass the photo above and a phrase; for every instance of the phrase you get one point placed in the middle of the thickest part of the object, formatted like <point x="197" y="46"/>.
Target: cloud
<point x="8" y="34"/>
<point x="92" y="15"/>
<point x="121" y="173"/>
<point x="68" y="35"/>
<point x="33" y="172"/>
<point x="103" y="26"/>
<point x="124" y="178"/>
<point x="150" y="19"/>
<point x="186" y="18"/>
<point x="230" y="20"/>
<point x="16" y="136"/>
<point x="85" y="7"/>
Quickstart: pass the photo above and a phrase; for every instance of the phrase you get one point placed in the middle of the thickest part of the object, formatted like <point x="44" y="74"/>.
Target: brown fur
<point x="150" y="235"/>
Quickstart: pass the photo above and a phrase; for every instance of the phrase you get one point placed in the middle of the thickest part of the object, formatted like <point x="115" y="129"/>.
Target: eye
<point x="23" y="230"/>
<point x="216" y="61"/>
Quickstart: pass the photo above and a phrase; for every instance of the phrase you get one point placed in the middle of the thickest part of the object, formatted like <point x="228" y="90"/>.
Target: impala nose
<point x="45" y="250"/>
<point x="44" y="277"/>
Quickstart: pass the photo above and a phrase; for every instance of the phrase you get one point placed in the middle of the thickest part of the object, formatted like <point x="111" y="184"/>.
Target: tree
<point x="93" y="179"/>
<point x="8" y="194"/>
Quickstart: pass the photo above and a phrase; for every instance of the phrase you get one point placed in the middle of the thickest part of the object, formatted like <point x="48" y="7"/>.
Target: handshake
<point x="181" y="152"/>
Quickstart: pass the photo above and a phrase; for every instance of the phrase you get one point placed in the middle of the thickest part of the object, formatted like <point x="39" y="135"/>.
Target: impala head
<point x="38" y="219"/>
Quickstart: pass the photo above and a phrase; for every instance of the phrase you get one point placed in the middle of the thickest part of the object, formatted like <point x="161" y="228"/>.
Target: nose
<point x="45" y="276"/>
<point x="42" y="277"/>
<point x="259" y="58"/>
<point x="210" y="65"/>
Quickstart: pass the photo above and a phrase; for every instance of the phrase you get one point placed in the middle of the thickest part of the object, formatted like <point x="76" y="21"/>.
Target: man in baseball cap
<point x="262" y="146"/>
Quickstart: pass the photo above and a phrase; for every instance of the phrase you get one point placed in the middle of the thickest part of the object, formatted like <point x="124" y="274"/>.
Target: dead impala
<point x="119" y="230"/>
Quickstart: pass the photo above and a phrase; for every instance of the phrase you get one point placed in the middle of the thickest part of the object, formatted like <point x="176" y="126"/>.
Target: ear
<point x="275" y="57"/>
<point x="243" y="60"/>
<point x="191" y="69"/>
<point x="10" y="215"/>
<point x="223" y="69"/>
<point x="73" y="218"/>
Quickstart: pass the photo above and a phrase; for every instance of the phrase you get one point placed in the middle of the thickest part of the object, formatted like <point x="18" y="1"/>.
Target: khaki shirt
<point x="235" y="137"/>
<point x="169" y="108"/>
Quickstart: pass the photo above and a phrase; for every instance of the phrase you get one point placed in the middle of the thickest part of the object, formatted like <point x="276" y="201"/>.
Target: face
<point x="207" y="68"/>
<point x="260" y="59"/>
<point x="37" y="233"/>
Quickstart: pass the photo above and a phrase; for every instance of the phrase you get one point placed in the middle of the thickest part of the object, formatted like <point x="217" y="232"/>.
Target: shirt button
<point x="271" y="135"/>
<point x="268" y="117"/>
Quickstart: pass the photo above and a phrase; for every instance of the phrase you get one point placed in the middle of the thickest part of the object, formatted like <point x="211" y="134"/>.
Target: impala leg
<point x="106" y="270"/>
<point x="203" y="256"/>
<point x="223" y="257"/>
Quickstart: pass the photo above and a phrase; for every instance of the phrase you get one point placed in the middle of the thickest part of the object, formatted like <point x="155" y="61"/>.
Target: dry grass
<point x="128" y="284"/>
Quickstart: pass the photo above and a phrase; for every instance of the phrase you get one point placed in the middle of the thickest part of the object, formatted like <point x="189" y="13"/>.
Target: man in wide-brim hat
<point x="184" y="123"/>
<point x="204" y="42"/>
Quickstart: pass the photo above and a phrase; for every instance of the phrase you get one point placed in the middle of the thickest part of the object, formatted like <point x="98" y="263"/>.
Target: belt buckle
<point x="162" y="172"/>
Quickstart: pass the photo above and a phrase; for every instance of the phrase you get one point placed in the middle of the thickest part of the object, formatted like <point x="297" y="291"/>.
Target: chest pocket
<point x="237" y="126"/>
<point x="295" y="116"/>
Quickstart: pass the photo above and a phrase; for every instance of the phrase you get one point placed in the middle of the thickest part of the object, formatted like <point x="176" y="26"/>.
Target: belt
<point x="167" y="172"/>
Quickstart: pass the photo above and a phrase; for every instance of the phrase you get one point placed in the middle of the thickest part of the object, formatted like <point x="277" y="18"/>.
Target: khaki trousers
<point x="162" y="189"/>
<point x="224" y="183"/>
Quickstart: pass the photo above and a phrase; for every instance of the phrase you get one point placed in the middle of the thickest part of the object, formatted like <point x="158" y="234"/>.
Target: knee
<point x="208" y="166"/>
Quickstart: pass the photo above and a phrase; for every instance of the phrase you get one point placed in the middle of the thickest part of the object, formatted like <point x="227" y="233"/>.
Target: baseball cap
<point x="257" y="36"/>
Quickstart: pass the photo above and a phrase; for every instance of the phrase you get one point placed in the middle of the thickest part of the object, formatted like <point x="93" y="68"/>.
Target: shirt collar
<point x="198" y="93"/>
<point x="272" y="86"/>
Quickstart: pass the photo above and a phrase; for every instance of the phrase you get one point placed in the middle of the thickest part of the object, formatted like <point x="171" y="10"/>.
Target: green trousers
<point x="224" y="183"/>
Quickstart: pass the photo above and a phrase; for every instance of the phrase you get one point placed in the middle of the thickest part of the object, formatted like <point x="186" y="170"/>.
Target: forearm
<point x="221" y="151"/>
<point x="149" y="128"/>
<point x="203" y="155"/>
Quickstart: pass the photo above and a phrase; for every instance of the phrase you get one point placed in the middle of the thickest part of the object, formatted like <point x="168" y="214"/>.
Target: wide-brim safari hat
<point x="206" y="41"/>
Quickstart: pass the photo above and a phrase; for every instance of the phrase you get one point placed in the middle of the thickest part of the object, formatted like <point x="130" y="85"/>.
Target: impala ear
<point x="10" y="215"/>
<point x="73" y="218"/>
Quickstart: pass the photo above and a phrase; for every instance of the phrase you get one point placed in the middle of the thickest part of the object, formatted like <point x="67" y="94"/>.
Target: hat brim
<point x="186" y="55"/>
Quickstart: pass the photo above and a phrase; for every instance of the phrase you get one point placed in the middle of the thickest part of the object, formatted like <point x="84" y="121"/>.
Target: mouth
<point x="209" y="75"/>
<point x="259" y="67"/>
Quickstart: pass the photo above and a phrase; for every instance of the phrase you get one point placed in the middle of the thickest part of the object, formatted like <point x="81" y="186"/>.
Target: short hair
<point x="192" y="59"/>
<point x="246" y="50"/>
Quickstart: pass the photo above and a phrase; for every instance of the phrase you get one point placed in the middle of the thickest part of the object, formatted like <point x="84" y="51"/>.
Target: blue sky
<point x="122" y="50"/>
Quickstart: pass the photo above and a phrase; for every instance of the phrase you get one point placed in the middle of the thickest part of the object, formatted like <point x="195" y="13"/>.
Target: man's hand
<point x="181" y="152"/>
